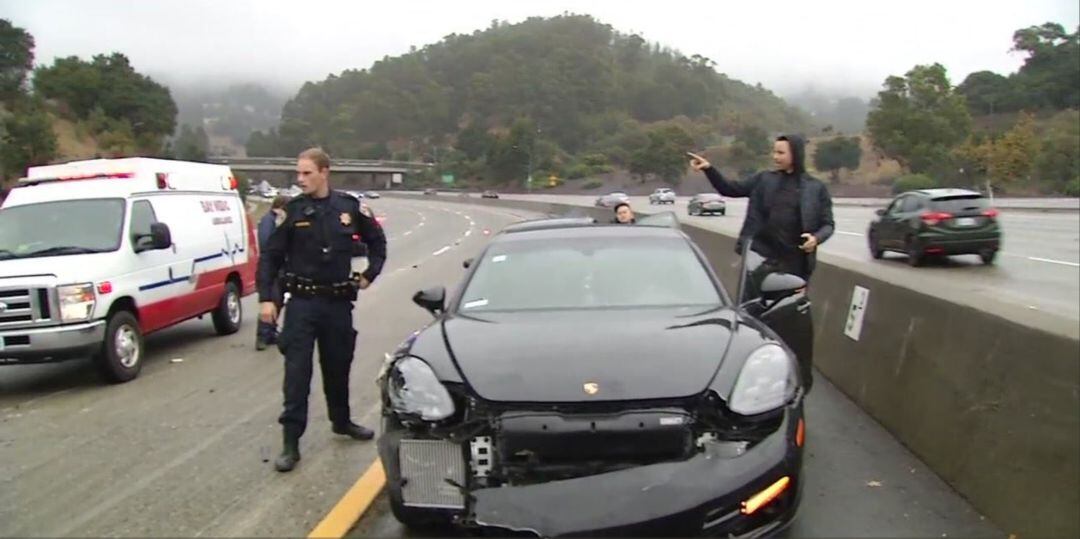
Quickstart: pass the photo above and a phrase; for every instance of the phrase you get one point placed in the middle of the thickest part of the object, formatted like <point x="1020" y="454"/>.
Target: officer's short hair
<point x="318" y="156"/>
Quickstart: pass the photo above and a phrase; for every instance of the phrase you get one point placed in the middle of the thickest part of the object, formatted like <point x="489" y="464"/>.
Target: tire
<point x="987" y="256"/>
<point x="229" y="313"/>
<point x="121" y="354"/>
<point x="875" y="249"/>
<point x="723" y="212"/>
<point x="915" y="256"/>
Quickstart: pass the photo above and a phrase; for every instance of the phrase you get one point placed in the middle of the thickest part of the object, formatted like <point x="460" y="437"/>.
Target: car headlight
<point x="76" y="302"/>
<point x="767" y="381"/>
<point x="414" y="389"/>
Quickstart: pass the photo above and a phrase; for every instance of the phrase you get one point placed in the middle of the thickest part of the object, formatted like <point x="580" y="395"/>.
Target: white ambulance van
<point x="96" y="254"/>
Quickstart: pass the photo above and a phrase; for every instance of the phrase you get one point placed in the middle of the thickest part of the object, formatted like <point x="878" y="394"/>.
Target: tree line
<point x="565" y="95"/>
<point x="126" y="112"/>
<point x="932" y="127"/>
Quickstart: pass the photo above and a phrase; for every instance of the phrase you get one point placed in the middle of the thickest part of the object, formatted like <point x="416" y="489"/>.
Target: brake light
<point x="104" y="288"/>
<point x="233" y="184"/>
<point x="933" y="218"/>
<point x="162" y="180"/>
<point x="991" y="213"/>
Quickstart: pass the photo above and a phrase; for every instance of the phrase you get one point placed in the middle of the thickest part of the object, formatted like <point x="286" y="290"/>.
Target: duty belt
<point x="305" y="287"/>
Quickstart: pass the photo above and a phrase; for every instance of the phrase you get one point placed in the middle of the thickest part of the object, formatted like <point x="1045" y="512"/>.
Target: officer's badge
<point x="346" y="219"/>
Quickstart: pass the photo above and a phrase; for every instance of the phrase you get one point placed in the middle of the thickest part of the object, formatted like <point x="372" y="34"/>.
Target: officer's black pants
<point x="328" y="322"/>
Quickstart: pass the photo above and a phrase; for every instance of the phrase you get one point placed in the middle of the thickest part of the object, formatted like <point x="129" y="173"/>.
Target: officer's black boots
<point x="354" y="431"/>
<point x="260" y="345"/>
<point x="290" y="455"/>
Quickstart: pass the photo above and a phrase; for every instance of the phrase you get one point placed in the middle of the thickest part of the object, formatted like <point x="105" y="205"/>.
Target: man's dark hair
<point x="621" y="204"/>
<point x="279" y="202"/>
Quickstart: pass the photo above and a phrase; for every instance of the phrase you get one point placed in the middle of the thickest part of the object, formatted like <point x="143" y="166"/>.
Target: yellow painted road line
<point x="352" y="506"/>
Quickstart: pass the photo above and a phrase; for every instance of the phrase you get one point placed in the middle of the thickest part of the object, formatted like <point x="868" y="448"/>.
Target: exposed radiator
<point x="426" y="465"/>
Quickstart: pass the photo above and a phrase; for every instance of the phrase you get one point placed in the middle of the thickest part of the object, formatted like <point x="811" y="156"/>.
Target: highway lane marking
<point x="849" y="233"/>
<point x="353" y="505"/>
<point x="408" y="233"/>
<point x="441" y="251"/>
<point x="1051" y="261"/>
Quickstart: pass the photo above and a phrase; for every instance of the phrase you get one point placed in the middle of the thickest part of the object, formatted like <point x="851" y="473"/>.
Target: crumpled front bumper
<point x="702" y="495"/>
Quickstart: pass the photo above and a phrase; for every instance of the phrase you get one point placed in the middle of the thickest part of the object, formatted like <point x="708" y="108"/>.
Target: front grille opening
<point x="17" y="318"/>
<point x="43" y="304"/>
<point x="12" y="293"/>
<point x="17" y="340"/>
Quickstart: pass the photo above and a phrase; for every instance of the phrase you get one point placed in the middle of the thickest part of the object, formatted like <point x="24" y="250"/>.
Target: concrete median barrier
<point x="988" y="398"/>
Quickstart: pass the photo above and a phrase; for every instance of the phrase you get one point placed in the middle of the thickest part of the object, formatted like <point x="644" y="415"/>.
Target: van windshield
<point x="65" y="227"/>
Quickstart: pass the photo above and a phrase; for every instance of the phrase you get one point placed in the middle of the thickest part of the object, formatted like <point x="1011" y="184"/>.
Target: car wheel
<point x="120" y="357"/>
<point x="914" y="252"/>
<point x="875" y="249"/>
<point x="987" y="256"/>
<point x="723" y="212"/>
<point x="229" y="313"/>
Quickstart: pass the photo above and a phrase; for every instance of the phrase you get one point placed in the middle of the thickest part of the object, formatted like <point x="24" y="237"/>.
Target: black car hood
<point x="551" y="356"/>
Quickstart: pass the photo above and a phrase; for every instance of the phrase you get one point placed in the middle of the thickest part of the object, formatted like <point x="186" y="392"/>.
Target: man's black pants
<point x="328" y="323"/>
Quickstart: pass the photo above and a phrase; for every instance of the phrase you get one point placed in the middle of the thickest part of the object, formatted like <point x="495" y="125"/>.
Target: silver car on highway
<point x="662" y="195"/>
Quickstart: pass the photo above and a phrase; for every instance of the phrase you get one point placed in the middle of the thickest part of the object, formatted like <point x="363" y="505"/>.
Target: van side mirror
<point x="160" y="237"/>
<point x="431" y="299"/>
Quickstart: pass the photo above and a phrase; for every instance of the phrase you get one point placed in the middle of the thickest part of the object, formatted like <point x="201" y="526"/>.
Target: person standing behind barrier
<point x="624" y="215"/>
<point x="790" y="212"/>
<point x="315" y="245"/>
<point x="267" y="334"/>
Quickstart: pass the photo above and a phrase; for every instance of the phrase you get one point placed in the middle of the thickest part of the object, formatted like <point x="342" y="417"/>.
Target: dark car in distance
<point x="936" y="222"/>
<point x="591" y="378"/>
<point x="706" y="204"/>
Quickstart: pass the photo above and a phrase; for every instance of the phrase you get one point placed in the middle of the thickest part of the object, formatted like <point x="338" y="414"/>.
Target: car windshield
<point x="61" y="228"/>
<point x="589" y="273"/>
<point x="959" y="204"/>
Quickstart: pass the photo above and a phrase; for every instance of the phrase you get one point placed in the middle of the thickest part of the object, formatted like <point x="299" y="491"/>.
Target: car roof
<point x="580" y="228"/>
<point x="948" y="192"/>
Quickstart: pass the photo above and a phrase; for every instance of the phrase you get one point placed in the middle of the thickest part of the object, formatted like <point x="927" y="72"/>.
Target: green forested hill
<point x="572" y="87"/>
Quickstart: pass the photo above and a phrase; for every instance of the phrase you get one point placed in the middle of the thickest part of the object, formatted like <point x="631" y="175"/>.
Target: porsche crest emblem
<point x="591" y="388"/>
<point x="346" y="219"/>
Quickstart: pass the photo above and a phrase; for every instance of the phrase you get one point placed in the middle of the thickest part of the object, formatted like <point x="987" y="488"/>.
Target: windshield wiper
<point x="63" y="250"/>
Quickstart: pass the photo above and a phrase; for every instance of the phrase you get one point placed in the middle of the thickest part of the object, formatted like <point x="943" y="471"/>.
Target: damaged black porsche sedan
<point x="598" y="380"/>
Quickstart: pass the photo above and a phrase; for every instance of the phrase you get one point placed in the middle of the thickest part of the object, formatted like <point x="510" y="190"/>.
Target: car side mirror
<point x="880" y="212"/>
<point x="431" y="299"/>
<point x="777" y="286"/>
<point x="468" y="262"/>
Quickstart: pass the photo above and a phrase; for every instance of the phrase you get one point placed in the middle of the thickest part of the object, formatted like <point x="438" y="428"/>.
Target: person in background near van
<point x="266" y="334"/>
<point x="315" y="245"/>
<point x="790" y="212"/>
<point x="623" y="214"/>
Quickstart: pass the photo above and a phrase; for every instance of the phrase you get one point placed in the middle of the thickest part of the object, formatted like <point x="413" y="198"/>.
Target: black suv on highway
<point x="936" y="222"/>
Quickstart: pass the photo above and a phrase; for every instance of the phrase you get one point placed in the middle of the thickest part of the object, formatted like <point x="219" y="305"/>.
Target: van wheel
<point x="229" y="314"/>
<point x="120" y="357"/>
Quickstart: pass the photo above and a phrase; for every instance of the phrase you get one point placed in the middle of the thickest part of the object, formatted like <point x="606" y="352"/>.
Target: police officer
<point x="315" y="245"/>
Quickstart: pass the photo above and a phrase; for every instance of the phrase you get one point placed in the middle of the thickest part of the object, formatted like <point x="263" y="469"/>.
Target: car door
<point x="910" y="214"/>
<point x="787" y="314"/>
<point x="889" y="234"/>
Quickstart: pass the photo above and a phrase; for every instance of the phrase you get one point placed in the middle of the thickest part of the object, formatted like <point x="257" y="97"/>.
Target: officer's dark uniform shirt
<point x="317" y="241"/>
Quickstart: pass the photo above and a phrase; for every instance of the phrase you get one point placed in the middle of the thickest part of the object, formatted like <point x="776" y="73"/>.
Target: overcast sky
<point x="841" y="46"/>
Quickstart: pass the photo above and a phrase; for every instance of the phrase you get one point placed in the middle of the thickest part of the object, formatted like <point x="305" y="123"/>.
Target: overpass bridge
<point x="362" y="173"/>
